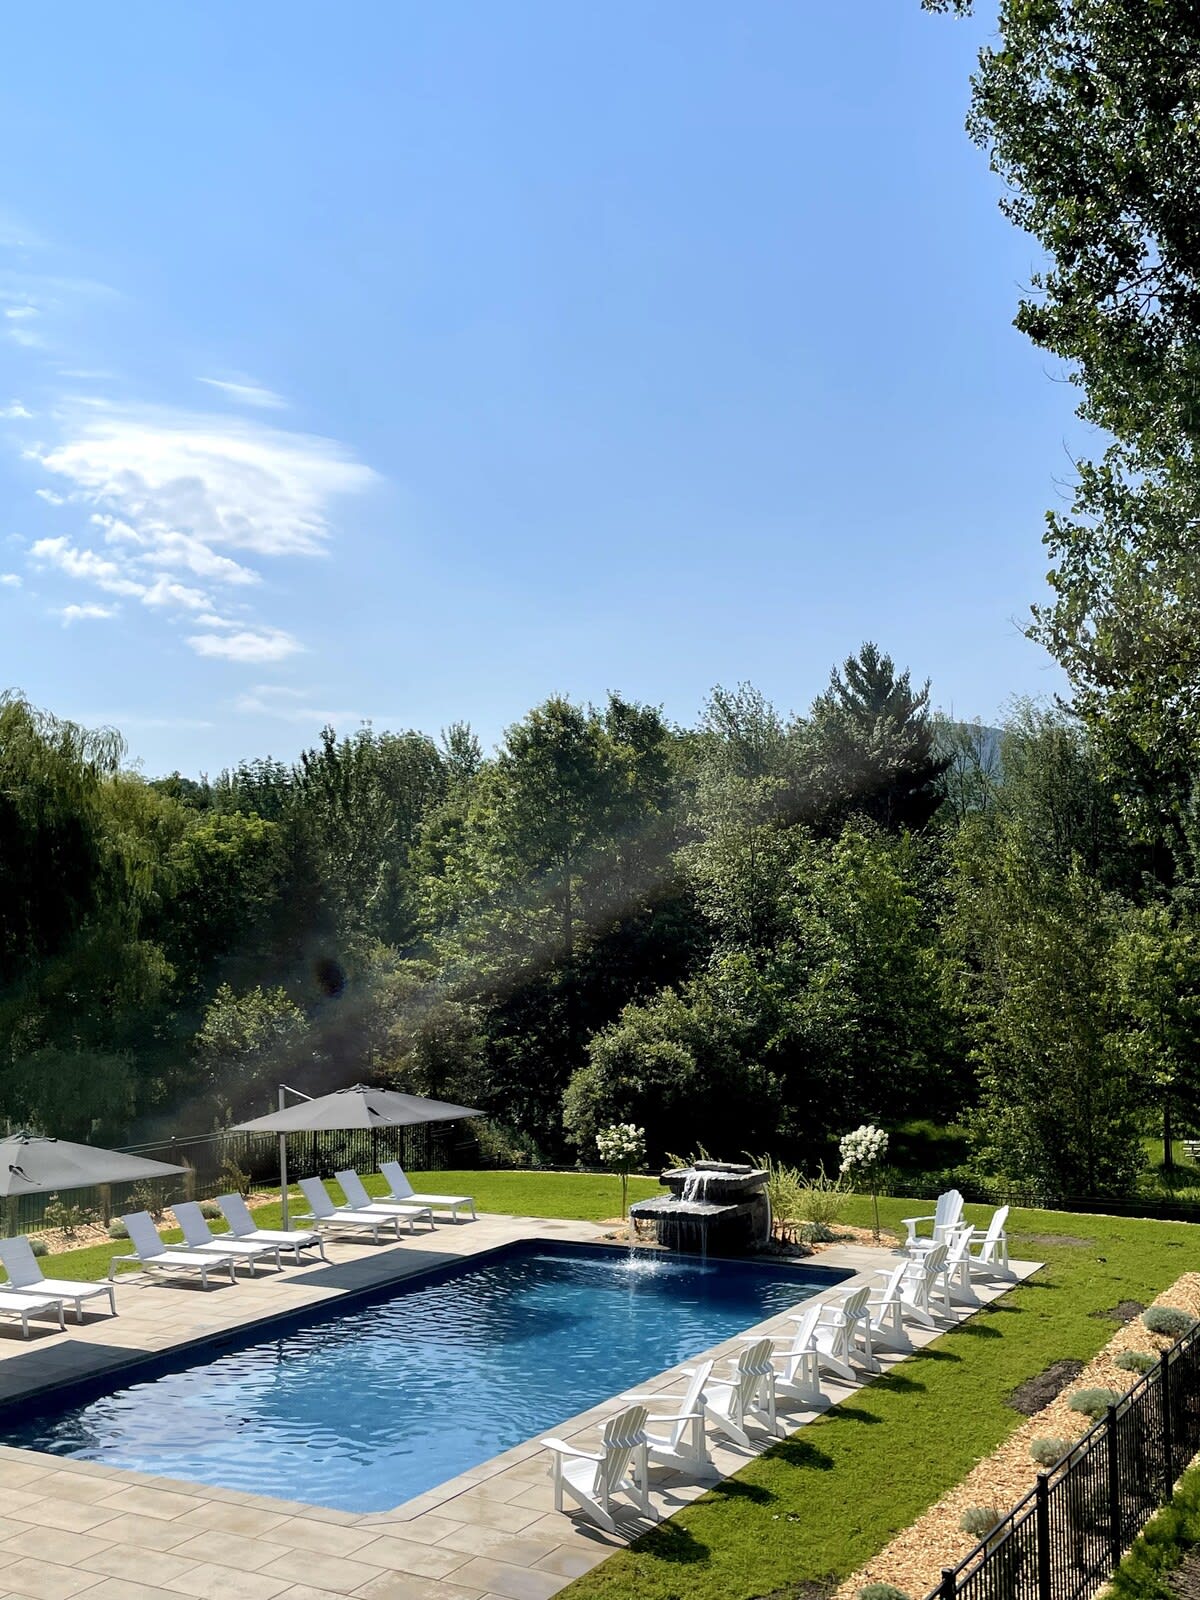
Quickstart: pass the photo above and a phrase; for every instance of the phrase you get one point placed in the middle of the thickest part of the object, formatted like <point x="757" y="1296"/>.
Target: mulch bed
<point x="915" y="1558"/>
<point x="1035" y="1394"/>
<point x="1123" y="1311"/>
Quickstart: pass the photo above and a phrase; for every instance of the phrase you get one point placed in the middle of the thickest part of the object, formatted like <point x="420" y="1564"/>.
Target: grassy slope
<point x="822" y="1503"/>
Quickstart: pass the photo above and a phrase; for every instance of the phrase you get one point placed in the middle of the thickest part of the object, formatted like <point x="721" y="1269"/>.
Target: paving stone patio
<point x="80" y="1528"/>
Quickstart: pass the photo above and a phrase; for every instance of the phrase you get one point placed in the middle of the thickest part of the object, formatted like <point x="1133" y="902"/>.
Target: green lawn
<point x="817" y="1506"/>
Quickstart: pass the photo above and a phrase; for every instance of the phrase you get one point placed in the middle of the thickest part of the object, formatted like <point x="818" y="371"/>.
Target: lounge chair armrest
<point x="561" y="1448"/>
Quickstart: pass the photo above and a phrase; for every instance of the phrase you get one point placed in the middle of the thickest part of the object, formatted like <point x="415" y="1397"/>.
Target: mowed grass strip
<point x="821" y="1503"/>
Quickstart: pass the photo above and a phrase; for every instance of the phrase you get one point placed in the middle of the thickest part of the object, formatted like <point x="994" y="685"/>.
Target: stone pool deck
<point x="79" y="1528"/>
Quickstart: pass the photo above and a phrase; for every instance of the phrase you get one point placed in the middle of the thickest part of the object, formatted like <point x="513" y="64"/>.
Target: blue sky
<point x="412" y="363"/>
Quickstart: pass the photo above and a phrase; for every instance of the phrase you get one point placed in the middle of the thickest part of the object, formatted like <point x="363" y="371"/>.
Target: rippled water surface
<point x="362" y="1410"/>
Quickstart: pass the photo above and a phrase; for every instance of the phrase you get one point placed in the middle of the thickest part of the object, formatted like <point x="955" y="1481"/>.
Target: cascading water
<point x="714" y="1207"/>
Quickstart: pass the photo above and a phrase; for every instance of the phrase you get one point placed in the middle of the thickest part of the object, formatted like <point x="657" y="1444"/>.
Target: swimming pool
<point x="363" y="1407"/>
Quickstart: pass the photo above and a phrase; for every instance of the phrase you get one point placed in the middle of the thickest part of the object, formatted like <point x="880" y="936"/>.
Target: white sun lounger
<point x="593" y="1478"/>
<point x="23" y="1306"/>
<point x="197" y="1235"/>
<point x="241" y="1226"/>
<point x="25" y="1277"/>
<point x="357" y="1199"/>
<point x="152" y="1255"/>
<point x="403" y="1190"/>
<point x="326" y="1215"/>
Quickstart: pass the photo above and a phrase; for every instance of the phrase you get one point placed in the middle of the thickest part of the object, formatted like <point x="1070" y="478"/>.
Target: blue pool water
<point x="361" y="1409"/>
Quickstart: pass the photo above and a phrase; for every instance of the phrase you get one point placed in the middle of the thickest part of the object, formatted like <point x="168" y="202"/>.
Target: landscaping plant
<point x="863" y="1152"/>
<point x="622" y="1148"/>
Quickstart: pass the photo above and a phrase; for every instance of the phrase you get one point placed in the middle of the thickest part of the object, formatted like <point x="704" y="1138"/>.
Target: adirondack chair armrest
<point x="680" y="1416"/>
<point x="561" y="1448"/>
<point x="911" y="1222"/>
<point x="646" y="1399"/>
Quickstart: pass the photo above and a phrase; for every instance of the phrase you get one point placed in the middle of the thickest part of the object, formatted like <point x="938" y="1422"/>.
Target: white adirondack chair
<point x="592" y="1479"/>
<point x="843" y="1334"/>
<point x="798" y="1356"/>
<point x="957" y="1270"/>
<point x="683" y="1445"/>
<point x="746" y="1396"/>
<point x="885" y="1310"/>
<point x="946" y="1218"/>
<point x="988" y="1247"/>
<point x="923" y="1283"/>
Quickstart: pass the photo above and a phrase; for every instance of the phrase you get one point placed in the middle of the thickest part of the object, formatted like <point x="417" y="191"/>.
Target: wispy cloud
<point x="247" y="644"/>
<point x="50" y="497"/>
<point x="84" y="613"/>
<point x="10" y="580"/>
<point x="248" y="394"/>
<point x="15" y="412"/>
<point x="296" y="705"/>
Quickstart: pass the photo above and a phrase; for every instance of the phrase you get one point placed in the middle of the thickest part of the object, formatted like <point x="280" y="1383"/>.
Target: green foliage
<point x="65" y="1218"/>
<point x="881" y="1591"/>
<point x="1167" y="1321"/>
<point x="1146" y="1572"/>
<point x="979" y="1521"/>
<point x="247" y="1041"/>
<point x="234" y="1179"/>
<point x="1048" y="1451"/>
<point x="1093" y="1403"/>
<point x="39" y="1246"/>
<point x="117" y="1229"/>
<point x="1135" y="1361"/>
<point x="822" y="1199"/>
<point x="786" y="1195"/>
<point x="210" y="1209"/>
<point x="149" y="1196"/>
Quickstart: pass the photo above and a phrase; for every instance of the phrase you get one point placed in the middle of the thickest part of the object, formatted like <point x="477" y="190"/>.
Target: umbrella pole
<point x="283" y="1172"/>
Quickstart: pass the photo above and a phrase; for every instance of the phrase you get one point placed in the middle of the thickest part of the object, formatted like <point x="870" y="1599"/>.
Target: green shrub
<point x="39" y="1247"/>
<point x="210" y="1209"/>
<point x="1094" y="1402"/>
<point x="234" y="1179"/>
<point x="117" y="1229"/>
<point x="785" y="1191"/>
<point x="1135" y="1361"/>
<point x="151" y="1197"/>
<point x="1145" y="1573"/>
<point x="67" y="1219"/>
<point x="1166" y="1320"/>
<point x="822" y="1199"/>
<point x="1047" y="1451"/>
<point x="881" y="1591"/>
<point x="979" y="1521"/>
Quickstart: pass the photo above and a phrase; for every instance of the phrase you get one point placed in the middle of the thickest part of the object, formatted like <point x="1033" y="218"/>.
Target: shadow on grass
<point x="798" y="1452"/>
<point x="979" y="1330"/>
<point x="672" y="1542"/>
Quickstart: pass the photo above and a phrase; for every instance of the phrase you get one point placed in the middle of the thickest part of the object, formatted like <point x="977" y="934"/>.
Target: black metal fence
<point x="1065" y="1539"/>
<point x="214" y="1161"/>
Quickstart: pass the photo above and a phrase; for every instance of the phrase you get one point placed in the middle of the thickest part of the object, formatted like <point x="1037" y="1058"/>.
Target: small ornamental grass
<point x="979" y="1521"/>
<point x="1094" y="1402"/>
<point x="1135" y="1361"/>
<point x="117" y="1229"/>
<point x="1166" y="1320"/>
<point x="881" y="1591"/>
<point x="39" y="1247"/>
<point x="1047" y="1451"/>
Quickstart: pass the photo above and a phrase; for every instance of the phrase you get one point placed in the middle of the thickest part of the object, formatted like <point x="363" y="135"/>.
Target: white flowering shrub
<point x="865" y="1147"/>
<point x="623" y="1148"/>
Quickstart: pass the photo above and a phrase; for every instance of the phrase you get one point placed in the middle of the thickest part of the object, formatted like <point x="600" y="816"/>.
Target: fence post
<point x="1168" y="1427"/>
<point x="1114" y="1486"/>
<point x="948" y="1588"/>
<point x="1042" y="1524"/>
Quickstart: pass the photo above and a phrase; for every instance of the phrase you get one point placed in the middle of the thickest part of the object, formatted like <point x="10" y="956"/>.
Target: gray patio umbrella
<point x="30" y="1164"/>
<point x="357" y="1107"/>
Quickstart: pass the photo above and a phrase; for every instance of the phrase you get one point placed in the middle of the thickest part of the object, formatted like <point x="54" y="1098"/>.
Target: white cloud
<point x="15" y="412"/>
<point x="228" y="483"/>
<point x="9" y="580"/>
<point x="20" y="313"/>
<point x="247" y="644"/>
<point x="49" y="496"/>
<point x="248" y="394"/>
<point x="277" y="700"/>
<point x="177" y="551"/>
<point x="86" y="565"/>
<point x="77" y="613"/>
<point x="164" y="592"/>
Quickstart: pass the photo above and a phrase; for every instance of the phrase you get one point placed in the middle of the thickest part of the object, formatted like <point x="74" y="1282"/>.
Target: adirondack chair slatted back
<point x="355" y="1189"/>
<point x="143" y="1235"/>
<point x="317" y="1195"/>
<point x="754" y="1364"/>
<point x="805" y="1328"/>
<point x="20" y="1262"/>
<point x="693" y="1400"/>
<point x="947" y="1213"/>
<point x="995" y="1229"/>
<point x="622" y="1436"/>
<point x="891" y="1286"/>
<point x="191" y="1220"/>
<point x="237" y="1213"/>
<point x="394" y="1173"/>
<point x="854" y="1305"/>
